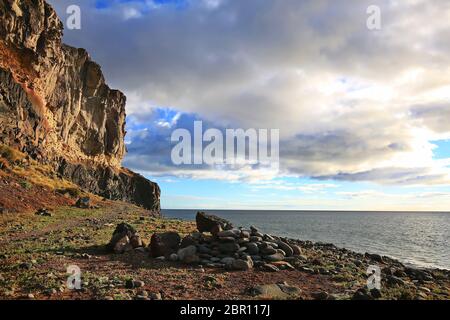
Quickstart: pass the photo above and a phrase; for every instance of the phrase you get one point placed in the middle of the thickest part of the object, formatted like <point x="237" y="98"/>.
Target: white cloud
<point x="351" y="104"/>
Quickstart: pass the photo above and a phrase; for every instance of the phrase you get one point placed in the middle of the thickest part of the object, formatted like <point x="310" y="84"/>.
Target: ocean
<point x="420" y="239"/>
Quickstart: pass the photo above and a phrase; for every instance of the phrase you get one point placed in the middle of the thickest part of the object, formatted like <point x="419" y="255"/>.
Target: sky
<point x="363" y="115"/>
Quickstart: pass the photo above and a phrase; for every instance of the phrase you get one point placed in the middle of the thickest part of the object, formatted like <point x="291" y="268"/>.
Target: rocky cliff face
<point x="56" y="106"/>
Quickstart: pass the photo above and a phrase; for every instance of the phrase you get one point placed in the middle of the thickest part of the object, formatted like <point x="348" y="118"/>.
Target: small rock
<point x="122" y="231"/>
<point x="424" y="289"/>
<point x="322" y="295"/>
<point x="215" y="230"/>
<point x="206" y="222"/>
<point x="253" y="229"/>
<point x="50" y="292"/>
<point x="228" y="247"/>
<point x="242" y="265"/>
<point x="186" y="254"/>
<point x="129" y="284"/>
<point x="26" y="266"/>
<point x="140" y="250"/>
<point x="284" y="265"/>
<point x="245" y="234"/>
<point x="255" y="239"/>
<point x="393" y="280"/>
<point x="155" y="296"/>
<point x="290" y="290"/>
<point x="228" y="261"/>
<point x="188" y="241"/>
<point x="227" y="239"/>
<point x="296" y="249"/>
<point x="374" y="257"/>
<point x="121" y="245"/>
<point x="203" y="249"/>
<point x="268" y="251"/>
<point x="138" y="284"/>
<point x="362" y="294"/>
<point x="376" y="293"/>
<point x="136" y="241"/>
<point x="83" y="203"/>
<point x="274" y="257"/>
<point x="286" y="248"/>
<point x="268" y="291"/>
<point x="143" y="293"/>
<point x="43" y="212"/>
<point x="269" y="268"/>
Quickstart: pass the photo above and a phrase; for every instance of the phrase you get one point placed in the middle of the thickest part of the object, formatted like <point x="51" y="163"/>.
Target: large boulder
<point x="121" y="237"/>
<point x="164" y="244"/>
<point x="211" y="223"/>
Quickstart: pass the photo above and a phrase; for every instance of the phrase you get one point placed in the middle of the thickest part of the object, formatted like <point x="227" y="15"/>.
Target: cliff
<point x="56" y="107"/>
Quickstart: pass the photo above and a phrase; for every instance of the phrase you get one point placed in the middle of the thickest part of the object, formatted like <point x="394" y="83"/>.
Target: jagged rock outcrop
<point x="56" y="106"/>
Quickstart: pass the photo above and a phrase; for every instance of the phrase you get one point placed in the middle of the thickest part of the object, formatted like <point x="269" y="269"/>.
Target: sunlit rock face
<point x="56" y="106"/>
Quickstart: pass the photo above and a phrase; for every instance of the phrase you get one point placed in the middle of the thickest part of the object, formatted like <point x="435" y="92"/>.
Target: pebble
<point x="143" y="293"/>
<point x="252" y="248"/>
<point x="376" y="293"/>
<point x="242" y="265"/>
<point x="269" y="268"/>
<point x="227" y="261"/>
<point x="322" y="295"/>
<point x="50" y="292"/>
<point x="156" y="296"/>
<point x="138" y="284"/>
<point x="274" y="257"/>
<point x="286" y="248"/>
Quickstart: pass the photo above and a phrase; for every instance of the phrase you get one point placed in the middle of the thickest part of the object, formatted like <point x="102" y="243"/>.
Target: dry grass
<point x="44" y="176"/>
<point x="33" y="172"/>
<point x="10" y="154"/>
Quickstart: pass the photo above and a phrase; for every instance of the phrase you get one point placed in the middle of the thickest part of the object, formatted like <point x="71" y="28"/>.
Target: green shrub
<point x="26" y="184"/>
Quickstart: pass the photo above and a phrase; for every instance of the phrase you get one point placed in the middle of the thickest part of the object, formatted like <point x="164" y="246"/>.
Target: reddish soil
<point x="14" y="197"/>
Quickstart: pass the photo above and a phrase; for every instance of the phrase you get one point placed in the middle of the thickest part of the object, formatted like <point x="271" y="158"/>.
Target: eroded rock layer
<point x="56" y="106"/>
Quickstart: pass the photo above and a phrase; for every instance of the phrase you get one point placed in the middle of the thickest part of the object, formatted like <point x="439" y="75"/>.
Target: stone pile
<point x="219" y="245"/>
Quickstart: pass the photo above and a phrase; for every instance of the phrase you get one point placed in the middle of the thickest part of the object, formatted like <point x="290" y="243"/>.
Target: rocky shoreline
<point x="218" y="245"/>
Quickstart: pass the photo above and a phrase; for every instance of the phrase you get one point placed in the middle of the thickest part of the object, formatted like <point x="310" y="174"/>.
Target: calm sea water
<point x="419" y="239"/>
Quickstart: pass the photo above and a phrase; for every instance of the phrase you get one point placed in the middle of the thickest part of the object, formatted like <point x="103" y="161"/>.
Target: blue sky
<point x="363" y="115"/>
